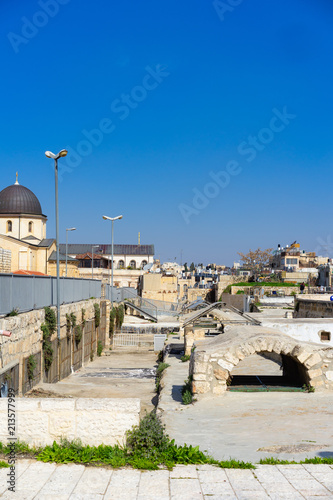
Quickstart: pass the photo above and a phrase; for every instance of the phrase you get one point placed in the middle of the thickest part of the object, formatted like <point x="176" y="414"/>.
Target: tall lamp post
<point x="56" y="157"/>
<point x="92" y="260"/>
<point x="112" y="219"/>
<point x="68" y="229"/>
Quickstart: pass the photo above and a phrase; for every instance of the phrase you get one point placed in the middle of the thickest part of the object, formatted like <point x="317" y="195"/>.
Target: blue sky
<point x="155" y="98"/>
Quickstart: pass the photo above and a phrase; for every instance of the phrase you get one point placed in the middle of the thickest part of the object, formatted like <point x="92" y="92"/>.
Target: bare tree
<point x="256" y="260"/>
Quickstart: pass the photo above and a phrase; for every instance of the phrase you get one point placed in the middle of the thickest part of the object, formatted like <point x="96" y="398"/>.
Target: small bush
<point x="3" y="464"/>
<point x="97" y="315"/>
<point x="83" y="319"/>
<point x="13" y="312"/>
<point x="187" y="394"/>
<point x="160" y="369"/>
<point x="78" y="333"/>
<point x="99" y="348"/>
<point x="185" y="358"/>
<point x="31" y="365"/>
<point x="68" y="325"/>
<point x="148" y="439"/>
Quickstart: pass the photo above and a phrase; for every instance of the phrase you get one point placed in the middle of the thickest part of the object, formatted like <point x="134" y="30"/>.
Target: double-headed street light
<point x="56" y="157"/>
<point x="68" y="229"/>
<point x="112" y="219"/>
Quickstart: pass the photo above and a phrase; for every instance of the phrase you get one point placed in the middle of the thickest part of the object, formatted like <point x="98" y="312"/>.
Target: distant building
<point x="23" y="234"/>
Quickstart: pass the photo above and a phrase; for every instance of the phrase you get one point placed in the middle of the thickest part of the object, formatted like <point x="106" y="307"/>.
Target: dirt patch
<point x="38" y="392"/>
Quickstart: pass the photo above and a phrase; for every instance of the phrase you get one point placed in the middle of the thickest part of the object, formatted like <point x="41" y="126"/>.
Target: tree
<point x="185" y="267"/>
<point x="256" y="260"/>
<point x="192" y="267"/>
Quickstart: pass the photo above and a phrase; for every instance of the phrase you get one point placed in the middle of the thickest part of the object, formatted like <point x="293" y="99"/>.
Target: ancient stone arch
<point x="213" y="361"/>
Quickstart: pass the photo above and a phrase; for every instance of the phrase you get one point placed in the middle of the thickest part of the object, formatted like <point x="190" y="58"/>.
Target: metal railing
<point x="25" y="293"/>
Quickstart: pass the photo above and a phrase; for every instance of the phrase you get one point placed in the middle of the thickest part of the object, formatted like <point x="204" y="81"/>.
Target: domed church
<point x="23" y="234"/>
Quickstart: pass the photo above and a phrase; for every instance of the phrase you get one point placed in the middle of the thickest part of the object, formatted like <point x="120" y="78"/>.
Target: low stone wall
<point x="313" y="306"/>
<point x="39" y="422"/>
<point x="212" y="361"/>
<point x="234" y="300"/>
<point x="287" y="290"/>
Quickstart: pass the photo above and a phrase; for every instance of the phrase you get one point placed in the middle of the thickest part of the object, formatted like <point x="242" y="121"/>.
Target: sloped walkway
<point x="76" y="482"/>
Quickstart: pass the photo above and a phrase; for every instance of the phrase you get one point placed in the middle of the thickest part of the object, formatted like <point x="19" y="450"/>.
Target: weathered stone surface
<point x="225" y="364"/>
<point x="199" y="376"/>
<point x="229" y="356"/>
<point x="219" y="389"/>
<point x="314" y="359"/>
<point x="221" y="374"/>
<point x="199" y="367"/>
<point x="315" y="373"/>
<point x="200" y="387"/>
<point x="316" y="383"/>
<point x="329" y="376"/>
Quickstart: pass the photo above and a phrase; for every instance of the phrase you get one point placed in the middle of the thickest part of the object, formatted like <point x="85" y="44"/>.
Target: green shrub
<point x="78" y="333"/>
<point x="99" y="348"/>
<point x="47" y="346"/>
<point x="185" y="358"/>
<point x="148" y="439"/>
<point x="31" y="365"/>
<point x="3" y="464"/>
<point x="73" y="320"/>
<point x="97" y="315"/>
<point x="83" y="319"/>
<point x="187" y="394"/>
<point x="112" y="320"/>
<point x="68" y="325"/>
<point x="13" y="312"/>
<point x="160" y="369"/>
<point x="120" y="314"/>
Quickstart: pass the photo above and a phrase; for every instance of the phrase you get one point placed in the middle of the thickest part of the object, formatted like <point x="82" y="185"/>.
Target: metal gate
<point x="126" y="340"/>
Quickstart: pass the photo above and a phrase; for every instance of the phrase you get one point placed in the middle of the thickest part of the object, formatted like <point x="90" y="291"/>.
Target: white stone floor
<point x="75" y="482"/>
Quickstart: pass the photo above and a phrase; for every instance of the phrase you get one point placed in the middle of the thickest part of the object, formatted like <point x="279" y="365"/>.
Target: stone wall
<point x="5" y="260"/>
<point x="234" y="300"/>
<point x="39" y="422"/>
<point x="212" y="362"/>
<point x="26" y="338"/>
<point x="313" y="306"/>
<point x="287" y="290"/>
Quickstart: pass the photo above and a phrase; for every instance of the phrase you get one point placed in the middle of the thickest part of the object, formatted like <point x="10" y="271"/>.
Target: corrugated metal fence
<point x="25" y="293"/>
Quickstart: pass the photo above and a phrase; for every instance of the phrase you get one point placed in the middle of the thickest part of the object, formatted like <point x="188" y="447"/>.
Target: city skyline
<point x="209" y="130"/>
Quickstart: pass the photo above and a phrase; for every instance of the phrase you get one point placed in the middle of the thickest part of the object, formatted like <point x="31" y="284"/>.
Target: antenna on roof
<point x="16" y="182"/>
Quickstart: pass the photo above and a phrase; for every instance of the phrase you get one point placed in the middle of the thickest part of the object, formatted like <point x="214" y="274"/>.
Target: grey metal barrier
<point x="25" y="293"/>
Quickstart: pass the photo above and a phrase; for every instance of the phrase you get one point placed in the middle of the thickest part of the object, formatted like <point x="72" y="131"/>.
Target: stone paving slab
<point x="36" y="480"/>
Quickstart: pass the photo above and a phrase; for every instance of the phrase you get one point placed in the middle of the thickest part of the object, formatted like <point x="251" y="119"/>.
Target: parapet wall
<point x="39" y="422"/>
<point x="313" y="306"/>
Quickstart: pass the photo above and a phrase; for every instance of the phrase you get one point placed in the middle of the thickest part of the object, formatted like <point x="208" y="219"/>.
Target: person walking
<point x="302" y="287"/>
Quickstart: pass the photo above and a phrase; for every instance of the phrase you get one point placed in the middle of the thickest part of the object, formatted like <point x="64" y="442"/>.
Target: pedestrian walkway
<point x="37" y="480"/>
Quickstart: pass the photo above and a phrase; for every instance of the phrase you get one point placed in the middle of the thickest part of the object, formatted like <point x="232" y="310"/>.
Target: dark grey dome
<point x="17" y="199"/>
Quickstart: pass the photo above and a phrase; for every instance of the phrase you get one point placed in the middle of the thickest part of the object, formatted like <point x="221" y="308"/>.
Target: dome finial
<point x="16" y="182"/>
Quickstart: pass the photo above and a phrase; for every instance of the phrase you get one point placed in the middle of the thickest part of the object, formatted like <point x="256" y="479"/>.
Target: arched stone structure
<point x="212" y="361"/>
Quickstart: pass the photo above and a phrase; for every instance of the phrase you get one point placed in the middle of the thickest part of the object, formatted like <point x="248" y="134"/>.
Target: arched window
<point x="133" y="264"/>
<point x="143" y="264"/>
<point x="9" y="226"/>
<point x="31" y="226"/>
<point x="121" y="264"/>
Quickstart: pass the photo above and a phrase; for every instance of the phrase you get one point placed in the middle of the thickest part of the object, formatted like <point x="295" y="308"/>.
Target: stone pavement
<point x="76" y="482"/>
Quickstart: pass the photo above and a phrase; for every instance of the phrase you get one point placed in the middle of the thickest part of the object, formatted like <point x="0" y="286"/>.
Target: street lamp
<point x="92" y="260"/>
<point x="112" y="219"/>
<point x="54" y="157"/>
<point x="68" y="229"/>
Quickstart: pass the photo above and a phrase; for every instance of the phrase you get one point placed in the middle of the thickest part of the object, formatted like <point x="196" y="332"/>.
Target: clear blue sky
<point x="179" y="90"/>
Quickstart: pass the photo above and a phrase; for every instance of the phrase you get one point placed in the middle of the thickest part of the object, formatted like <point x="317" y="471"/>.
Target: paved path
<point x="76" y="482"/>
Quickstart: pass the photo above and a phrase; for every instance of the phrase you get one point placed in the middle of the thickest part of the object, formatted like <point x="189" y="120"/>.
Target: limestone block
<point x="228" y="356"/>
<point x="287" y="348"/>
<point x="224" y="364"/>
<point x="62" y="424"/>
<point x="221" y="374"/>
<point x="199" y="376"/>
<point x="57" y="404"/>
<point x="199" y="367"/>
<point x="200" y="387"/>
<point x="26" y="404"/>
<point x="301" y="354"/>
<point x="315" y="373"/>
<point x="106" y="404"/>
<point x="248" y="349"/>
<point x="329" y="376"/>
<point x="219" y="389"/>
<point x="240" y="354"/>
<point x="313" y="360"/>
<point x="317" y="383"/>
